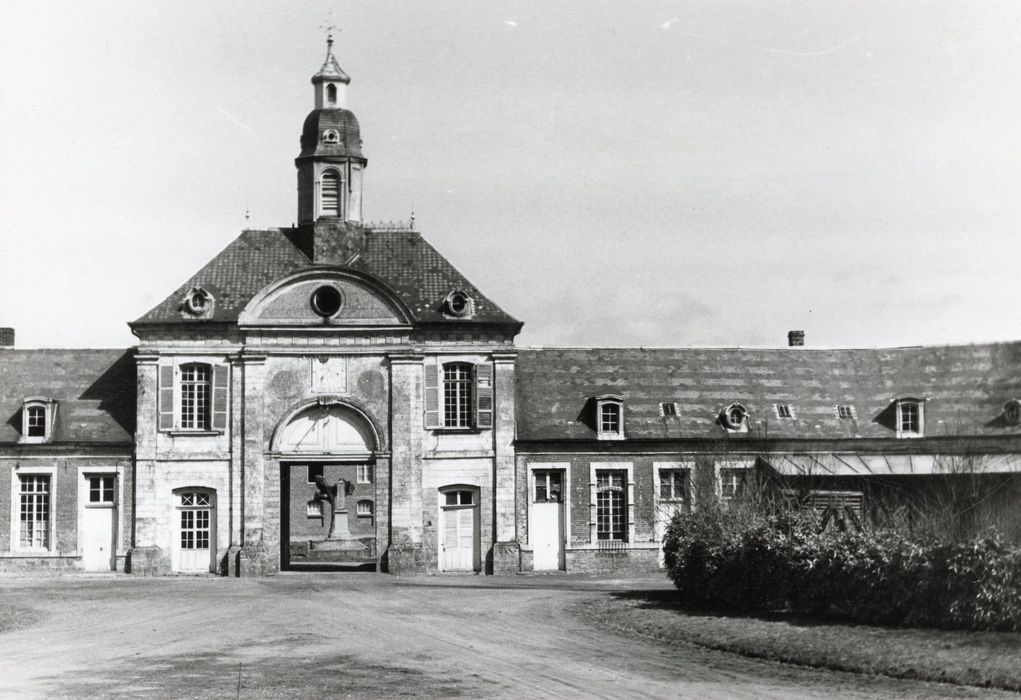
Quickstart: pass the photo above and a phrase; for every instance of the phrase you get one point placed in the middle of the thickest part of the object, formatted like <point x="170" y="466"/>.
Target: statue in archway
<point x="330" y="494"/>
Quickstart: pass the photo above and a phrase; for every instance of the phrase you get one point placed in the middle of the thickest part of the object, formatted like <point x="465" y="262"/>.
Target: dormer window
<point x="783" y="410"/>
<point x="910" y="417"/>
<point x="37" y="419"/>
<point x="610" y="417"/>
<point x="1012" y="412"/>
<point x="331" y="137"/>
<point x="734" y="417"/>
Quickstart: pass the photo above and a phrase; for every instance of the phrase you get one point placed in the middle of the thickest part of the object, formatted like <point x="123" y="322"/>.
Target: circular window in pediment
<point x="327" y="301"/>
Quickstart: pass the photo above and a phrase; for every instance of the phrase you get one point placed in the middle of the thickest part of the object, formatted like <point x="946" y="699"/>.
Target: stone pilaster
<point x="407" y="425"/>
<point x="146" y="558"/>
<point x="254" y="559"/>
<point x="506" y="551"/>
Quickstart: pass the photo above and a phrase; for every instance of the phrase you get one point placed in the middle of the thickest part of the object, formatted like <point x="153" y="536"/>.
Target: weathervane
<point x="329" y="26"/>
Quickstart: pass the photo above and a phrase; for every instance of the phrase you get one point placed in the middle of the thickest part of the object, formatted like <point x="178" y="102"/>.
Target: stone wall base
<point x="255" y="560"/>
<point x="405" y="559"/>
<point x="148" y="561"/>
<point x="594" y="561"/>
<point x="506" y="558"/>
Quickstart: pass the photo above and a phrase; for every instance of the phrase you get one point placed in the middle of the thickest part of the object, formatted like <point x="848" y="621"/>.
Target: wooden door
<point x="195" y="532"/>
<point x="546" y="520"/>
<point x="99" y="522"/>
<point x="458" y="544"/>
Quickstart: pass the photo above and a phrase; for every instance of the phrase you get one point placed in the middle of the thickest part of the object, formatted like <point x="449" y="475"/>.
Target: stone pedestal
<point x="506" y="558"/>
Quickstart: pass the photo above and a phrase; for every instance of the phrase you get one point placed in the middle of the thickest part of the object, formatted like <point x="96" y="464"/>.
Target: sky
<point x="610" y="173"/>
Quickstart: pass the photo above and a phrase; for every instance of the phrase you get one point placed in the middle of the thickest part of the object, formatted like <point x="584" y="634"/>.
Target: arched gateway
<point x="329" y="491"/>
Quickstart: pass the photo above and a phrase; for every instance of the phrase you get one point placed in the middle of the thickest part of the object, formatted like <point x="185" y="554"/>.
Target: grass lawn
<point x="991" y="659"/>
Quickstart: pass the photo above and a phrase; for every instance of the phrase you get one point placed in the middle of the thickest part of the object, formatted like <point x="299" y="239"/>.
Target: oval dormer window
<point x="326" y="301"/>
<point x="733" y="416"/>
<point x="458" y="304"/>
<point x="1012" y="412"/>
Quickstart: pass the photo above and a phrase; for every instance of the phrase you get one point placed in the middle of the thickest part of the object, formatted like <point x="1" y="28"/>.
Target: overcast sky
<point x="674" y="173"/>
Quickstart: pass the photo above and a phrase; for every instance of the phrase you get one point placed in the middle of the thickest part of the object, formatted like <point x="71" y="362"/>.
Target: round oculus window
<point x="458" y="303"/>
<point x="326" y="301"/>
<point x="1012" y="412"/>
<point x="733" y="416"/>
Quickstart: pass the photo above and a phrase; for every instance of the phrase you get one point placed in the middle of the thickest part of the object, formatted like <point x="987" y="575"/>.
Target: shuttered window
<point x="458" y="395"/>
<point x="330" y="194"/>
<point x="195" y="397"/>
<point x="197" y="400"/>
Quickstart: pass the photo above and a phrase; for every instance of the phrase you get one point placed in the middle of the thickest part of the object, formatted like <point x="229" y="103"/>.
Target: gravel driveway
<point x="367" y="635"/>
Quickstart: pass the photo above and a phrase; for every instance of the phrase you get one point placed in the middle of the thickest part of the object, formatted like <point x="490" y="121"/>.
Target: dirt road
<point x="367" y="635"/>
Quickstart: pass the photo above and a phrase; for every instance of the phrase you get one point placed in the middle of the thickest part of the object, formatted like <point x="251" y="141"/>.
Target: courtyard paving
<point x="316" y="635"/>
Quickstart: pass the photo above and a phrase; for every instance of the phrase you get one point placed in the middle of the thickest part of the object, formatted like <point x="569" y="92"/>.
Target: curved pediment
<point x="326" y="429"/>
<point x="319" y="298"/>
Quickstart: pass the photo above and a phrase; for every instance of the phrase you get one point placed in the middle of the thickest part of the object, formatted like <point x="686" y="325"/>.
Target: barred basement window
<point x="34" y="511"/>
<point x="195" y="397"/>
<point x="457" y="395"/>
<point x="611" y="505"/>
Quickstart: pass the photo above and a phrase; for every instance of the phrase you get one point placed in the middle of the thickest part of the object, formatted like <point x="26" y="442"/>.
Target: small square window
<point x="101" y="489"/>
<point x="314" y="470"/>
<point x="783" y="410"/>
<point x="845" y="411"/>
<point x="364" y="509"/>
<point x="668" y="410"/>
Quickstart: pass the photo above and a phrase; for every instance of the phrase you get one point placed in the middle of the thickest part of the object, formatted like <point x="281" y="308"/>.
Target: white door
<point x="457" y="545"/>
<point x="195" y="532"/>
<point x="546" y="520"/>
<point x="99" y="523"/>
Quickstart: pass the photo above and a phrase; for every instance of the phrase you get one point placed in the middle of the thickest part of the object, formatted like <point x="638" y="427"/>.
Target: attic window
<point x="783" y="410"/>
<point x="37" y="419"/>
<point x="734" y="417"/>
<point x="610" y="417"/>
<point x="846" y="411"/>
<point x="459" y="304"/>
<point x="1012" y="412"/>
<point x="910" y="417"/>
<point x="668" y="410"/>
<point x="331" y="136"/>
<point x="198" y="302"/>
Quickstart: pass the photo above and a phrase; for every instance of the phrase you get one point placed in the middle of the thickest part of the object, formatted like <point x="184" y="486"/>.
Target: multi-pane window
<point x="35" y="423"/>
<point x="549" y="486"/>
<point x="609" y="417"/>
<point x="101" y="489"/>
<point x="195" y="397"/>
<point x="732" y="483"/>
<point x="364" y="508"/>
<point x="909" y="418"/>
<point x="845" y="411"/>
<point x="364" y="474"/>
<point x="673" y="484"/>
<point x="611" y="505"/>
<point x="457" y="395"/>
<point x="458" y="498"/>
<point x="34" y="517"/>
<point x="783" y="410"/>
<point x="195" y="517"/>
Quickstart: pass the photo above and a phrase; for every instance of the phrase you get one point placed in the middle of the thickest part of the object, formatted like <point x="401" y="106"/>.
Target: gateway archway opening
<point x="329" y="496"/>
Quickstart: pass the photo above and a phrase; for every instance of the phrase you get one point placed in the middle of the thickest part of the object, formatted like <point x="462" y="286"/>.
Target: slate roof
<point x="94" y="389"/>
<point x="965" y="387"/>
<point x="404" y="261"/>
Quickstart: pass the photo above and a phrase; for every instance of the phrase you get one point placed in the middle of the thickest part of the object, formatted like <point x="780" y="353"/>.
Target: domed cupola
<point x="331" y="163"/>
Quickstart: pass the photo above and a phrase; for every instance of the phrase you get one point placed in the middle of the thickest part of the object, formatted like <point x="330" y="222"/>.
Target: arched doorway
<point x="329" y="490"/>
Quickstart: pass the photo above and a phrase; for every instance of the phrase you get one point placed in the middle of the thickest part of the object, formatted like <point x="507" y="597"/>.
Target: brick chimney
<point x="6" y="337"/>
<point x="795" y="338"/>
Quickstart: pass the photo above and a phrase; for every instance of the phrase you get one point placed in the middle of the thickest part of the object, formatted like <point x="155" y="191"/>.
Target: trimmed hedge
<point x="781" y="562"/>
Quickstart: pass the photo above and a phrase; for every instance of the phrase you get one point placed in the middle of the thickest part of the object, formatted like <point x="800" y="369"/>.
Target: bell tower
<point x="331" y="163"/>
